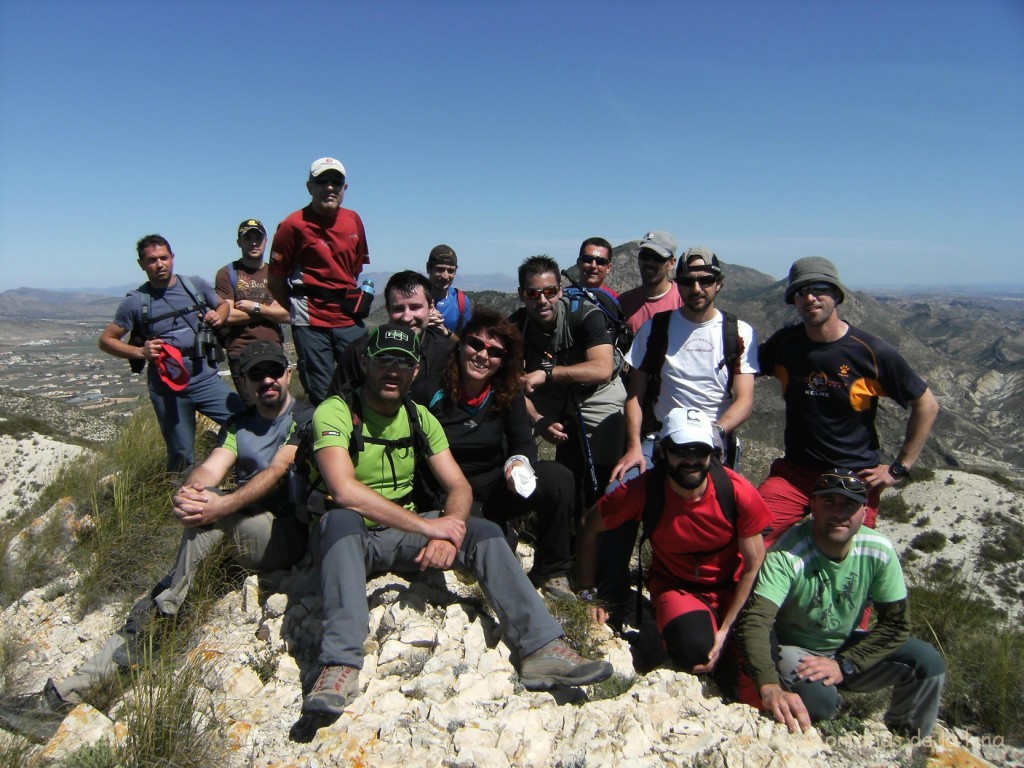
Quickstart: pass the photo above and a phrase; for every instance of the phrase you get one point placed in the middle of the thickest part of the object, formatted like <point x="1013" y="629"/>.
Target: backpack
<point x="654" y="505"/>
<point x="141" y="332"/>
<point x="310" y="501"/>
<point x="622" y="336"/>
<point x="657" y="348"/>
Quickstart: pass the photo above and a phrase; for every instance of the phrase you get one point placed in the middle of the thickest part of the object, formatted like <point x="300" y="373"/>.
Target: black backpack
<point x="618" y="328"/>
<point x="657" y="348"/>
<point x="310" y="501"/>
<point x="725" y="493"/>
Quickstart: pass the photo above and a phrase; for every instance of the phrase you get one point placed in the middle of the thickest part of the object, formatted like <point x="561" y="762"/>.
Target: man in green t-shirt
<point x="799" y="631"/>
<point x="366" y="467"/>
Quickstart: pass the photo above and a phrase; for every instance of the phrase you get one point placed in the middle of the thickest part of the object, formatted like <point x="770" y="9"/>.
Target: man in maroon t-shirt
<point x="253" y="315"/>
<point x="317" y="255"/>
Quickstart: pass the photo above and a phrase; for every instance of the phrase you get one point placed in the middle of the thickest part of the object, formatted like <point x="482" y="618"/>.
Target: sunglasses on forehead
<point x="548" y="292"/>
<point x="831" y="480"/>
<point x="493" y="350"/>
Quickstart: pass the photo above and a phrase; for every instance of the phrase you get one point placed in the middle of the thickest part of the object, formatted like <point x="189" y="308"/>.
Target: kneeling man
<point x="799" y="632"/>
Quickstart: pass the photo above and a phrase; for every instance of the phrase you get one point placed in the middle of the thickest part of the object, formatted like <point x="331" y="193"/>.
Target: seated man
<point x="798" y="633"/>
<point x="256" y="517"/>
<point x="366" y="452"/>
<point x="704" y="522"/>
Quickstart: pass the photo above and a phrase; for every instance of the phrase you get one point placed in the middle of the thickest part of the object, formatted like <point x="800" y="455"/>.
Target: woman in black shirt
<point x="482" y="410"/>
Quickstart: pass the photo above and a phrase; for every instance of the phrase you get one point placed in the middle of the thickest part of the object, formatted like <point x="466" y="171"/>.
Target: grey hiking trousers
<point x="349" y="552"/>
<point x="916" y="671"/>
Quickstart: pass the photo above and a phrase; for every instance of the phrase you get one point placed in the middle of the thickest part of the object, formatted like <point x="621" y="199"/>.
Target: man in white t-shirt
<point x="695" y="370"/>
<point x="681" y="358"/>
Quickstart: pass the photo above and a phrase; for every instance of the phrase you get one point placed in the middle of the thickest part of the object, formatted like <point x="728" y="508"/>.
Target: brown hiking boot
<point x="556" y="664"/>
<point x="332" y="691"/>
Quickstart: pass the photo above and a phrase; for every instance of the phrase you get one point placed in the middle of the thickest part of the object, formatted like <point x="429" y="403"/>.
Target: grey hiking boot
<point x="556" y="664"/>
<point x="36" y="716"/>
<point x="332" y="691"/>
<point x="557" y="588"/>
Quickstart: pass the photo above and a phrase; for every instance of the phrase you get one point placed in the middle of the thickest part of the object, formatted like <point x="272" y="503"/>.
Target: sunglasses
<point x="396" y="362"/>
<point x="697" y="450"/>
<point x="649" y="255"/>
<point x="493" y="351"/>
<point x="535" y="293"/>
<point x="704" y="281"/>
<point x="259" y="374"/>
<point x="849" y="483"/>
<point x="601" y="261"/>
<point x="816" y="289"/>
<point x="334" y="181"/>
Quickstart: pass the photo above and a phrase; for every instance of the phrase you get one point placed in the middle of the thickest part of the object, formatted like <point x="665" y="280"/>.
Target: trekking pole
<point x="588" y="455"/>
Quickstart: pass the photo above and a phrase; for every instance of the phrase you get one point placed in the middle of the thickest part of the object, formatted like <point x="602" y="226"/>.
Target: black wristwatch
<point x="847" y="667"/>
<point x="548" y="366"/>
<point x="898" y="470"/>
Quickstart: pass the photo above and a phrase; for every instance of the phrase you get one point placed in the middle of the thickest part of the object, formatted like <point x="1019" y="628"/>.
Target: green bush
<point x="929" y="541"/>
<point x="984" y="653"/>
<point x="893" y="507"/>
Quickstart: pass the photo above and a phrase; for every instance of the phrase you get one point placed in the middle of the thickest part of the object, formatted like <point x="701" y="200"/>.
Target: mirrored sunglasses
<point x="399" y="362"/>
<point x="548" y="292"/>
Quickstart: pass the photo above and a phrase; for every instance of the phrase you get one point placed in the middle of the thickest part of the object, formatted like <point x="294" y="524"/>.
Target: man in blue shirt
<point x="168" y="311"/>
<point x="452" y="308"/>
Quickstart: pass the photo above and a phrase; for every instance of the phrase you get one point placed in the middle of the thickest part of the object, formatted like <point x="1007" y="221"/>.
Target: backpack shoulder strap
<point x="460" y="297"/>
<point x="146" y="309"/>
<point x="420" y="441"/>
<point x="730" y="345"/>
<point x="655" y="501"/>
<point x="190" y="288"/>
<point x="657" y="343"/>
<point x="233" y="277"/>
<point x="725" y="492"/>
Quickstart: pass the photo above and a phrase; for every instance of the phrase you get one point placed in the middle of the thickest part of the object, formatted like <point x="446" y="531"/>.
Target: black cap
<point x="844" y="482"/>
<point x="261" y="352"/>
<point x="248" y="224"/>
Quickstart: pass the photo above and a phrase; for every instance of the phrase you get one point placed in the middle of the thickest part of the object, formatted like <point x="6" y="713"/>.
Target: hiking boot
<point x="36" y="716"/>
<point x="557" y="588"/>
<point x="557" y="664"/>
<point x="332" y="691"/>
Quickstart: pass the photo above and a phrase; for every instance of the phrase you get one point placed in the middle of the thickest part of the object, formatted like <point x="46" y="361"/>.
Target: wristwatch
<point x="548" y="366"/>
<point x="257" y="310"/>
<point x="847" y="667"/>
<point x="898" y="470"/>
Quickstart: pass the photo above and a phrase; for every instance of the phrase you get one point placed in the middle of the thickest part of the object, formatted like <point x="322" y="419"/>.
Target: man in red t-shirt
<point x="317" y="255"/>
<point x="656" y="292"/>
<point x="703" y="563"/>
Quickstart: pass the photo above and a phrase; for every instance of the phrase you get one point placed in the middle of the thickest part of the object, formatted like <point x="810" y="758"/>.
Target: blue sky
<point x="888" y="136"/>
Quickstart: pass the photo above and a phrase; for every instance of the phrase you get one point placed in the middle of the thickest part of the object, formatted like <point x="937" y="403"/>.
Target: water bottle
<point x="363" y="300"/>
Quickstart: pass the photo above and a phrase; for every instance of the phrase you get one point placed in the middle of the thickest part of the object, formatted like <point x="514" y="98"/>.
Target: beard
<point x="688" y="477"/>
